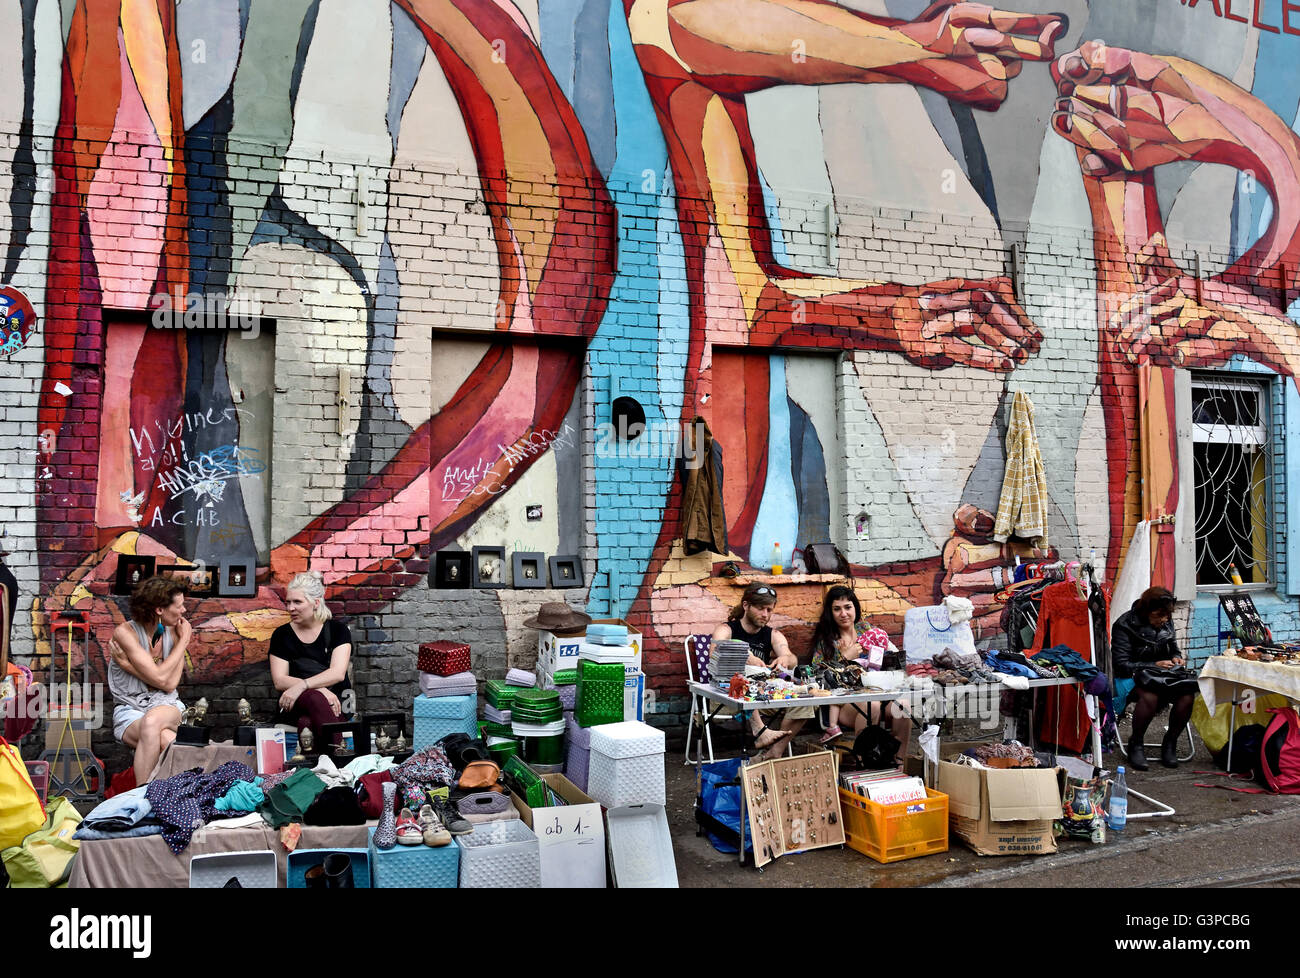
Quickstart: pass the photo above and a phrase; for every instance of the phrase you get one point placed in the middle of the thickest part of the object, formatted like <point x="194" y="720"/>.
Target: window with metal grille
<point x="1232" y="461"/>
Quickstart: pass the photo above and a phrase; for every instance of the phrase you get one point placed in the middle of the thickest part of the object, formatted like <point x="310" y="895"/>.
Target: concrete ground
<point x="1217" y="838"/>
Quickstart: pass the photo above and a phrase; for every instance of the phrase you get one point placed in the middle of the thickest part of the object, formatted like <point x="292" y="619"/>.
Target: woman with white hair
<point x="309" y="658"/>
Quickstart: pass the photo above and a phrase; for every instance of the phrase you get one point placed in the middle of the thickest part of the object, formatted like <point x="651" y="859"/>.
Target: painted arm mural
<point x="555" y="251"/>
<point x="699" y="64"/>
<point x="1127" y="113"/>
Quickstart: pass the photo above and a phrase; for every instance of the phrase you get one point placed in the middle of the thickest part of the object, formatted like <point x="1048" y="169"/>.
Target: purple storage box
<point x="577" y="759"/>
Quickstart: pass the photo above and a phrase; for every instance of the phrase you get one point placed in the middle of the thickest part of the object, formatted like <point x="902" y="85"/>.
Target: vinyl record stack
<point x="726" y="658"/>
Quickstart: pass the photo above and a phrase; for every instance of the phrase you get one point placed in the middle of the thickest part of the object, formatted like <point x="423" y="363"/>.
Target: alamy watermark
<point x="239" y="312"/>
<point x="83" y="703"/>
<point x="655" y="439"/>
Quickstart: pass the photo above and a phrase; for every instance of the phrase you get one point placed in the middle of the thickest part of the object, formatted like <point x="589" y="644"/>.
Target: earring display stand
<point x="793" y="805"/>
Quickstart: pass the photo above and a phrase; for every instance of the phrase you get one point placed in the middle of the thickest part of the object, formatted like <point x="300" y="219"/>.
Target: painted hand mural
<point x="1127" y="113"/>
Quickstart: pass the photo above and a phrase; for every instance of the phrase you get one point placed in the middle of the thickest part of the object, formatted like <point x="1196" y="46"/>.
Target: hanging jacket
<point x="704" y="524"/>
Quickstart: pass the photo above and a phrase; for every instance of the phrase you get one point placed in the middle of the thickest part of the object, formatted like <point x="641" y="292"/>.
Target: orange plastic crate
<point x="889" y="833"/>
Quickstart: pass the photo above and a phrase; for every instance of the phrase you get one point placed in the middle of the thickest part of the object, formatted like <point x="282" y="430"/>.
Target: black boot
<point x="1137" y="757"/>
<point x="338" y="871"/>
<point x="1169" y="750"/>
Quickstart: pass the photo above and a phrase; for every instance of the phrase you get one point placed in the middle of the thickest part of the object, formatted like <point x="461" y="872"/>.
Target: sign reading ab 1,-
<point x="17" y="321"/>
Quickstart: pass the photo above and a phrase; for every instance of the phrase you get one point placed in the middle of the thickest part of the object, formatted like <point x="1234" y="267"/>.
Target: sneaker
<point x="435" y="834"/>
<point x="409" y="832"/>
<point x="451" y="819"/>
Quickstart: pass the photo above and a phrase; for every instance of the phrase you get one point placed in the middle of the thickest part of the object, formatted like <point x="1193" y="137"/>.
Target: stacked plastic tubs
<point x="537" y="719"/>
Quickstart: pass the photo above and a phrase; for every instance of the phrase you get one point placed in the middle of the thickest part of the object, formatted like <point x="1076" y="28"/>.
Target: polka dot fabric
<point x="187" y="801"/>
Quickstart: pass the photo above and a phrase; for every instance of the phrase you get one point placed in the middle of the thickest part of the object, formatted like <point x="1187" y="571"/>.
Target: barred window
<point x="1232" y="461"/>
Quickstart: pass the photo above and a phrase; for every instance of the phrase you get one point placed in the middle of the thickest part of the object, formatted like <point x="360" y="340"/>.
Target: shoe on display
<point x="452" y="820"/>
<point x="408" y="829"/>
<point x="386" y="832"/>
<point x="435" y="833"/>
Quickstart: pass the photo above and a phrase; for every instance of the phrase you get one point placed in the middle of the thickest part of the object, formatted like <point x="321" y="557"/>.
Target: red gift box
<point x="443" y="658"/>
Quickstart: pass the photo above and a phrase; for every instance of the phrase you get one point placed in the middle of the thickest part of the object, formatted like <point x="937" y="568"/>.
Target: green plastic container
<point x="543" y="750"/>
<point x="609" y="672"/>
<point x="502" y="749"/>
<point x="499" y="693"/>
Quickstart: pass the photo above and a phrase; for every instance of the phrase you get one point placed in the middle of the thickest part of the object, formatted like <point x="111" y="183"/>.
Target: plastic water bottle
<point x="1118" y="816"/>
<point x="777" y="565"/>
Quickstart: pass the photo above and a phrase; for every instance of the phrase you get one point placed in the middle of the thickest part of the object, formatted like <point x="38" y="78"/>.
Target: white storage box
<point x="626" y="765"/>
<point x="640" y="847"/>
<point x="629" y="657"/>
<point x="254" y="868"/>
<point x="499" y="855"/>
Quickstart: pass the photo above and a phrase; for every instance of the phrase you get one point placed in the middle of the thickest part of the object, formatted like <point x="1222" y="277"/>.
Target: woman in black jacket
<point x="1141" y="646"/>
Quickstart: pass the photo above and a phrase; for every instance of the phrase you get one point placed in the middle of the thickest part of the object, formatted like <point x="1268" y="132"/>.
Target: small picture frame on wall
<point x="529" y="569"/>
<point x="488" y="565"/>
<point x="131" y="570"/>
<point x="237" y="578"/>
<point x="451" y="569"/>
<point x="566" y="571"/>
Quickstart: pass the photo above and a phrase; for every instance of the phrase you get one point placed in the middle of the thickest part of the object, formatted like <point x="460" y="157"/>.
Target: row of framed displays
<point x="486" y="567"/>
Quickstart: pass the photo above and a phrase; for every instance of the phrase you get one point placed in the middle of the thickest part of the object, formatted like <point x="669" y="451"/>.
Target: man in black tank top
<point x="768" y="649"/>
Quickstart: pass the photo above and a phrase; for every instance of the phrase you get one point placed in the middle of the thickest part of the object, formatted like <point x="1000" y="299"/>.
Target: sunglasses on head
<point x="764" y="591"/>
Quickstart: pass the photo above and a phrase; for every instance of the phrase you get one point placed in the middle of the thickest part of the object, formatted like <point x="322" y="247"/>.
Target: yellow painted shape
<point x="728" y="181"/>
<point x="146" y="52"/>
<point x="258" y="625"/>
<point x="647" y="22"/>
<point x="829" y="33"/>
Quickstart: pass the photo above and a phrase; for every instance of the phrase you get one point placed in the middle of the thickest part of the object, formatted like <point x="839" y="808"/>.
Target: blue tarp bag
<point x="720" y="799"/>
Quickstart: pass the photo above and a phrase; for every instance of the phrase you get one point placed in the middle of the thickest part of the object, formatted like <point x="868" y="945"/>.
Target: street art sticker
<point x="17" y="321"/>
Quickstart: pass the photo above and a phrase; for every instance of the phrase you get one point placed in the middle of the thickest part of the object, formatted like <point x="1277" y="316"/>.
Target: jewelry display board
<point x="793" y="805"/>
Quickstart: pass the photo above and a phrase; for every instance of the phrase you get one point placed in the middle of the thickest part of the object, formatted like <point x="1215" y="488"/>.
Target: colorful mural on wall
<point x="638" y="162"/>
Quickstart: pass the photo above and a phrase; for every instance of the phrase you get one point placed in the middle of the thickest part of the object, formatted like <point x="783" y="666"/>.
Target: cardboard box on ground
<point x="571" y="837"/>
<point x="998" y="812"/>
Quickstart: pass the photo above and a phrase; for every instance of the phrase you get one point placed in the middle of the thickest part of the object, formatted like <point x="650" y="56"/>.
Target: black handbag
<point x="825" y="558"/>
<point x="1175" y="681"/>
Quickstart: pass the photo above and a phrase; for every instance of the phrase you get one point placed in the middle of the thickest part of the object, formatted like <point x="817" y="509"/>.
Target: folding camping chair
<point x="697" y="670"/>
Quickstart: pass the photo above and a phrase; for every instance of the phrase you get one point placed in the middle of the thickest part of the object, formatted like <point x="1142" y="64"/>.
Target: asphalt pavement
<point x="1216" y="838"/>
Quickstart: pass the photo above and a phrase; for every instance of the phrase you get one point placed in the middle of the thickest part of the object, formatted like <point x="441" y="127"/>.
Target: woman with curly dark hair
<point x="841" y="635"/>
<point x="148" y="656"/>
